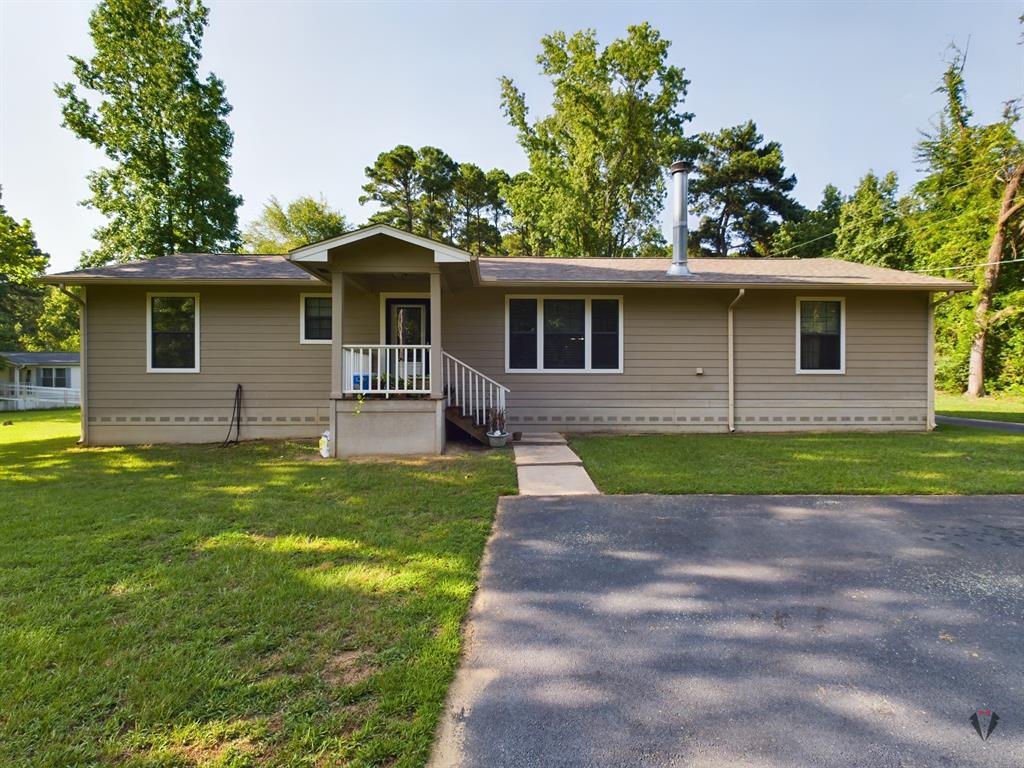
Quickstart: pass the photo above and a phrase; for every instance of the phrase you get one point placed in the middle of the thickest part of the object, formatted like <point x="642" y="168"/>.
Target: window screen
<point x="604" y="333"/>
<point x="522" y="334"/>
<point x="564" y="327"/>
<point x="173" y="327"/>
<point x="317" y="311"/>
<point x="820" y="335"/>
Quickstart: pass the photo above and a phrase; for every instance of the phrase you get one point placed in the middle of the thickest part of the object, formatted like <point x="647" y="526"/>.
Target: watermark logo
<point x="984" y="722"/>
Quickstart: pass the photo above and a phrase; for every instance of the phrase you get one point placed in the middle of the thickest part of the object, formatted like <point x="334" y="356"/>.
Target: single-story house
<point x="39" y="379"/>
<point x="380" y="336"/>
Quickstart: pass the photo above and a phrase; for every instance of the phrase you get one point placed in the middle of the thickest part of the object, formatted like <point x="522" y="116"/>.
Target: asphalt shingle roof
<point x="708" y="272"/>
<point x="40" y="358"/>
<point x="185" y="267"/>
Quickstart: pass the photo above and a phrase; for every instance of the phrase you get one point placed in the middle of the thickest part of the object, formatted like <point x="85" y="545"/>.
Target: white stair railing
<point x="473" y="393"/>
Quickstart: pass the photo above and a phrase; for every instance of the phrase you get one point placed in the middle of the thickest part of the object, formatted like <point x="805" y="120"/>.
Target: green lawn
<point x="180" y="606"/>
<point x="994" y="407"/>
<point x="949" y="460"/>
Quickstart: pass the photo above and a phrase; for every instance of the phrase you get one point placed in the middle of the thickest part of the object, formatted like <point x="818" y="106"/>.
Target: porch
<point x="23" y="397"/>
<point x="393" y="387"/>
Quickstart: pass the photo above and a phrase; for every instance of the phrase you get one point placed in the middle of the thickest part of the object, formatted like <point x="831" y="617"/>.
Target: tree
<point x="428" y="193"/>
<point x="394" y="184"/>
<point x="280" y="229"/>
<point x="968" y="214"/>
<point x="741" y="191"/>
<point x="437" y="173"/>
<point x="162" y="128"/>
<point x="21" y="262"/>
<point x="596" y="179"/>
<point x="813" y="236"/>
<point x="873" y="224"/>
<point x="56" y="327"/>
<point x="478" y="209"/>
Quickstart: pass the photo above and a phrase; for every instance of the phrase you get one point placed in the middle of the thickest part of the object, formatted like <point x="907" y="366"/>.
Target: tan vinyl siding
<point x="886" y="378"/>
<point x="669" y="334"/>
<point x="249" y="335"/>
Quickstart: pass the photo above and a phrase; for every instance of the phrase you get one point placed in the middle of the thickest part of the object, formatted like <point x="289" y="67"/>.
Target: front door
<point x="408" y="323"/>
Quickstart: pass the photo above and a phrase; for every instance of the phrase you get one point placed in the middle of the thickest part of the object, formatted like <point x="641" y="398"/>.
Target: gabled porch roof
<point x="319" y="252"/>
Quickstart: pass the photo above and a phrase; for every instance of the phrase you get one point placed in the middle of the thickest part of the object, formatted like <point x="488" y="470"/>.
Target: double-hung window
<point x="315" y="318"/>
<point x="563" y="334"/>
<point x="53" y="377"/>
<point x="820" y="335"/>
<point x="172" y="333"/>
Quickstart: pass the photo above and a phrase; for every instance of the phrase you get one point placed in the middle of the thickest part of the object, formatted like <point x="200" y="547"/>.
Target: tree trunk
<point x="976" y="371"/>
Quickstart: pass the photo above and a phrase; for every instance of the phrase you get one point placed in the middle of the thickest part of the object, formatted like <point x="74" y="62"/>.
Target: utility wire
<point x="908" y="230"/>
<point x="971" y="266"/>
<point x="834" y="232"/>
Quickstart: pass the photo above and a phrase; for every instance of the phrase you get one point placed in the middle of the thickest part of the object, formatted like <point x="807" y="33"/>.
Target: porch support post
<point x="337" y="330"/>
<point x="436" y="363"/>
<point x="337" y="338"/>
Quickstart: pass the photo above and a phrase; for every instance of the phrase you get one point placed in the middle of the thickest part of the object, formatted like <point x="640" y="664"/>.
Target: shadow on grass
<point x="191" y="605"/>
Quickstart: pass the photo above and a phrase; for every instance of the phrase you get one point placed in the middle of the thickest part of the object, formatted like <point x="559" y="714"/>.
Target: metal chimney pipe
<point x="680" y="192"/>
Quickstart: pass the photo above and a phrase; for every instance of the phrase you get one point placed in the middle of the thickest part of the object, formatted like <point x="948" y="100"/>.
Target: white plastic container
<point x="325" y="444"/>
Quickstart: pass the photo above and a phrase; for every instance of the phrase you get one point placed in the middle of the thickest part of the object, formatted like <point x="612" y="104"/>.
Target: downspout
<point x="732" y="366"/>
<point x="83" y="360"/>
<point x="930" y="395"/>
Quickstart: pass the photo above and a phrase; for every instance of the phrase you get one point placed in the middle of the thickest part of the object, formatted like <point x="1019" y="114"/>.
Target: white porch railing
<point x="24" y="397"/>
<point x="385" y="369"/>
<point x="471" y="391"/>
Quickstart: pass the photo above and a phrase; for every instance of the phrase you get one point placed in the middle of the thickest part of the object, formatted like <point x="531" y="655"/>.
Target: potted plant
<point x="496" y="433"/>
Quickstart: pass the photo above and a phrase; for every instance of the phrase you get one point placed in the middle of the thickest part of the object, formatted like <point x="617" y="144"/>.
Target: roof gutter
<point x="731" y="362"/>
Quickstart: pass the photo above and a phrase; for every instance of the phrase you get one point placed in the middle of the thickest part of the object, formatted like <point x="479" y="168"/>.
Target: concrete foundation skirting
<point x="389" y="427"/>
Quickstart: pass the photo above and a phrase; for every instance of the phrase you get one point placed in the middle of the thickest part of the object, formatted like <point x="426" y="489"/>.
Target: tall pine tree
<point x="162" y="127"/>
<point x="741" y="191"/>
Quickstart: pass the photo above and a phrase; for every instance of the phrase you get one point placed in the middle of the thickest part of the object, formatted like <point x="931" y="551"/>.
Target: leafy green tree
<point x="873" y="224"/>
<point x="813" y="236"/>
<point x="437" y="174"/>
<point x="596" y="180"/>
<point x="163" y="129"/>
<point x="741" y="191"/>
<point x="21" y="262"/>
<point x="393" y="183"/>
<point x="55" y="328"/>
<point x="968" y="213"/>
<point x="304" y="220"/>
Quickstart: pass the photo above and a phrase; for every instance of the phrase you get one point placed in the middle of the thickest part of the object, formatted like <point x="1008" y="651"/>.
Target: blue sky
<point x="320" y="88"/>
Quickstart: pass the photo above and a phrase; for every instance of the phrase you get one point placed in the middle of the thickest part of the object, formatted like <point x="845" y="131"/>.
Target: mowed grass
<point x="994" y="407"/>
<point x="950" y="460"/>
<point x="184" y="606"/>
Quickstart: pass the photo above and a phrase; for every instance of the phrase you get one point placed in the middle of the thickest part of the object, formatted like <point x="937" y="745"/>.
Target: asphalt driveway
<point x="744" y="631"/>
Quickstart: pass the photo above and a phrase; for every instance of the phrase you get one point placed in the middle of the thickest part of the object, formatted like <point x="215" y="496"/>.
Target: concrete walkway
<point x="1002" y="426"/>
<point x="547" y="466"/>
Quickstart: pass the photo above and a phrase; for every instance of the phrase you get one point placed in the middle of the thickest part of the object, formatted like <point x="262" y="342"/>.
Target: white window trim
<point x="149" y="331"/>
<point x="384" y="309"/>
<point x="302" y="317"/>
<point x="587" y="299"/>
<point x="842" y="337"/>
